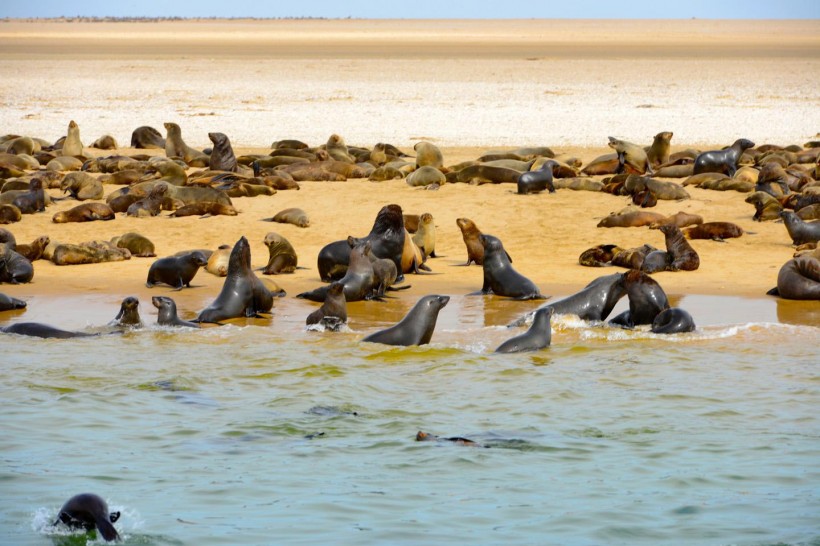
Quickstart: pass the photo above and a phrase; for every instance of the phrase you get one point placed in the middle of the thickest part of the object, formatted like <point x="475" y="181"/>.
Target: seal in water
<point x="360" y="281"/>
<point x="538" y="180"/>
<point x="499" y="276"/>
<point x="646" y="300"/>
<point x="386" y="238"/>
<point x="594" y="302"/>
<point x="168" y="313"/>
<point x="537" y="337"/>
<point x="722" y="161"/>
<point x="7" y="303"/>
<point x="422" y="436"/>
<point x="416" y="328"/>
<point x="242" y="295"/>
<point x="129" y="315"/>
<point x="333" y="312"/>
<point x="176" y="271"/>
<point x="37" y="329"/>
<point x="673" y="321"/>
<point x="87" y="511"/>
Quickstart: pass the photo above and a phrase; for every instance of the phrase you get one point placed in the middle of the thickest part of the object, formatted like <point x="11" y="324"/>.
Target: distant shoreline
<point x="134" y="19"/>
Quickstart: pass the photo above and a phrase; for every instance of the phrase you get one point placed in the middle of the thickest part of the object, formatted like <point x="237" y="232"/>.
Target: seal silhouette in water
<point x="537" y="337"/>
<point x="88" y="511"/>
<point x="416" y="328"/>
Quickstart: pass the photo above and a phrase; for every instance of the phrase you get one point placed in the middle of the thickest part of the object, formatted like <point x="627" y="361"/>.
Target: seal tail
<point x="106" y="529"/>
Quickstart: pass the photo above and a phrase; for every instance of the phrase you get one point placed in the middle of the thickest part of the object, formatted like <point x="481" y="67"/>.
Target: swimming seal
<point x="242" y="294"/>
<point x="537" y="337"/>
<point x="499" y="276"/>
<point x="281" y="255"/>
<point x="416" y="328"/>
<point x="45" y="331"/>
<point x="87" y="511"/>
<point x="129" y="315"/>
<point x="176" y="271"/>
<point x="673" y="321"/>
<point x="594" y="302"/>
<point x="386" y="238"/>
<point x="168" y="313"/>
<point x="537" y="181"/>
<point x="722" y="161"/>
<point x="333" y="312"/>
<point x="646" y="300"/>
<point x="222" y="156"/>
<point x="422" y="436"/>
<point x="683" y="256"/>
<point x="798" y="279"/>
<point x="7" y="303"/>
<point x="472" y="238"/>
<point x="799" y="230"/>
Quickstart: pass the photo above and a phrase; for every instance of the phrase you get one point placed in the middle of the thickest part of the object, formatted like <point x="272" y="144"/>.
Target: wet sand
<point x="467" y="86"/>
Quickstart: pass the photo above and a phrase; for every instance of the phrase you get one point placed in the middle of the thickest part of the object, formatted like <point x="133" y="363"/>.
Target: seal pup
<point x="538" y="180"/>
<point x="673" y="321"/>
<point x="222" y="156"/>
<point x="88" y="511"/>
<point x="416" y="328"/>
<point x="168" y="313"/>
<point x="425" y="235"/>
<point x="599" y="256"/>
<point x="333" y="312"/>
<point x="472" y="239"/>
<point x="658" y="153"/>
<point x="281" y="255"/>
<point x="129" y="316"/>
<point x="7" y="303"/>
<point x="537" y="337"/>
<point x="646" y="300"/>
<point x="9" y="214"/>
<point x="683" y="256"/>
<point x="499" y="276"/>
<point x="722" y="161"/>
<point x="34" y="250"/>
<point x="799" y="230"/>
<point x="176" y="271"/>
<point x="138" y="245"/>
<point x="594" y="302"/>
<point x="242" y="294"/>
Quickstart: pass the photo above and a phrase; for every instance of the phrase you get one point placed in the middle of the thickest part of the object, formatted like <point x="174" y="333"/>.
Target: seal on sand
<point x="537" y="181"/>
<point x="537" y="337"/>
<point x="425" y="236"/>
<point x="85" y="212"/>
<point x="7" y="303"/>
<point x="722" y="161"/>
<point x="499" y="276"/>
<point x="242" y="294"/>
<point x="176" y="147"/>
<point x="599" y="256"/>
<point x="138" y="245"/>
<point x="658" y="153"/>
<point x="222" y="156"/>
<point x="34" y="250"/>
<point x="646" y="300"/>
<point x="684" y="257"/>
<point x="282" y="257"/>
<point x="14" y="268"/>
<point x="630" y="218"/>
<point x="333" y="312"/>
<point x="798" y="279"/>
<point x="129" y="315"/>
<point x="717" y="231"/>
<point x="416" y="328"/>
<point x="72" y="145"/>
<point x="218" y="261"/>
<point x="673" y="321"/>
<point x="295" y="216"/>
<point x="204" y="209"/>
<point x="472" y="238"/>
<point x="632" y="158"/>
<point x="799" y="230"/>
<point x="176" y="271"/>
<point x="168" y="313"/>
<point x="87" y="511"/>
<point x="146" y="137"/>
<point x="428" y="154"/>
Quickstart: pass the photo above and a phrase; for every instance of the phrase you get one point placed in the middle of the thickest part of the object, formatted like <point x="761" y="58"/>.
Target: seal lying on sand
<point x="416" y="328"/>
<point x="87" y="511"/>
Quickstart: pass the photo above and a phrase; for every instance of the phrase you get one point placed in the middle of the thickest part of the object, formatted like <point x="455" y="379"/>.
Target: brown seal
<point x="295" y="216"/>
<point x="82" y="186"/>
<point x="425" y="176"/>
<point x="680" y="219"/>
<point x="632" y="258"/>
<point x="485" y="174"/>
<point x="138" y="245"/>
<point x="359" y="281"/>
<point x="716" y="231"/>
<point x="798" y="279"/>
<point x="222" y="156"/>
<point x="85" y="212"/>
<point x="658" y="153"/>
<point x="105" y="142"/>
<point x="632" y="158"/>
<point x="630" y="218"/>
<point x="337" y="149"/>
<point x="333" y="312"/>
<point x="145" y="137"/>
<point x="218" y="261"/>
<point x="204" y="209"/>
<point x="281" y="255"/>
<point x="91" y="252"/>
<point x="176" y="147"/>
<point x="599" y="256"/>
<point x="472" y="239"/>
<point x="412" y="257"/>
<point x="150" y="205"/>
<point x="128" y="316"/>
<point x="72" y="145"/>
<point x="766" y="206"/>
<point x="9" y="214"/>
<point x="684" y="257"/>
<point x="425" y="236"/>
<point x="34" y="250"/>
<point x="428" y="154"/>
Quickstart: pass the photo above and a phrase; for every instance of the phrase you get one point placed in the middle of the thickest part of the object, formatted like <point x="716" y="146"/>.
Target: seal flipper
<point x="106" y="529"/>
<point x="773" y="292"/>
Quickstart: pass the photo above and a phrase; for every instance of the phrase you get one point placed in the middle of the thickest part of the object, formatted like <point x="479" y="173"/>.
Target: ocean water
<point x="260" y="433"/>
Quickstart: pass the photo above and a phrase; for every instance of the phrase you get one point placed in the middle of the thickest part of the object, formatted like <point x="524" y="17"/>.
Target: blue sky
<point x="425" y="9"/>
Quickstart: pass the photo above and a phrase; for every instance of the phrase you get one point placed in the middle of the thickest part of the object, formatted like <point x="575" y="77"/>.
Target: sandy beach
<point x="466" y="86"/>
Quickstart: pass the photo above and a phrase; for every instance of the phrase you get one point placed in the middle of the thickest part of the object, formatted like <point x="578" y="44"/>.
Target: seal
<point x="412" y="257"/>
<point x="222" y="156"/>
<point x="168" y="313"/>
<point x="599" y="256"/>
<point x="34" y="250"/>
<point x="145" y="137"/>
<point x="484" y="174"/>
<point x="646" y="300"/>
<point x="129" y="316"/>
<point x="332" y="315"/>
<point x="138" y="245"/>
<point x="426" y="176"/>
<point x="32" y="201"/>
<point x="7" y="303"/>
<point x="538" y="180"/>
<point x="536" y="338"/>
<point x="425" y="236"/>
<point x="684" y="257"/>
<point x="428" y="154"/>
<point x="218" y="261"/>
<point x="45" y="331"/>
<point x="105" y="142"/>
<point x="87" y="511"/>
<point x="386" y="238"/>
<point x="242" y="293"/>
<point x="14" y="268"/>
<point x="716" y="231"/>
<point x="360" y="281"/>
<point x="422" y="436"/>
<point x="680" y="219"/>
<point x="295" y="216"/>
<point x="658" y="153"/>
<point x="632" y="159"/>
<point x="9" y="214"/>
<point x="176" y="271"/>
<point x="673" y="321"/>
<point x="722" y="161"/>
<point x="416" y="328"/>
<point x="337" y="149"/>
<point x="82" y="186"/>
<point x="72" y="145"/>
<point x="472" y="239"/>
<point x="766" y="207"/>
<point x="281" y="255"/>
<point x="798" y="279"/>
<point x="150" y="205"/>
<point x="630" y="218"/>
<point x="799" y="230"/>
<point x="85" y="212"/>
<point x="204" y="209"/>
<point x="656" y="260"/>
<point x="499" y="276"/>
<point x="594" y="302"/>
<point x="176" y="147"/>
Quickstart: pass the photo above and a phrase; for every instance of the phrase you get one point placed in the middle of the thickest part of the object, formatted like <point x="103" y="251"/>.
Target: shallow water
<point x="261" y="433"/>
